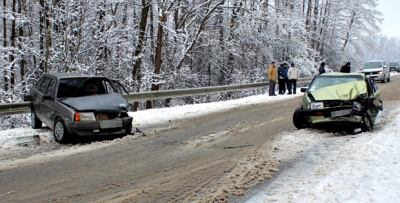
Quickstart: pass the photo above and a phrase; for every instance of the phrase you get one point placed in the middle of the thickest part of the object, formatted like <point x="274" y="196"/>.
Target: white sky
<point x="325" y="167"/>
<point x="391" y="15"/>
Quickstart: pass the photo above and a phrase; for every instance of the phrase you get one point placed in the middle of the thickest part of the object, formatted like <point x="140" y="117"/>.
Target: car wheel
<point x="384" y="79"/>
<point x="60" y="133"/>
<point x="366" y="124"/>
<point x="299" y="121"/>
<point x="128" y="130"/>
<point x="36" y="123"/>
<point x="388" y="79"/>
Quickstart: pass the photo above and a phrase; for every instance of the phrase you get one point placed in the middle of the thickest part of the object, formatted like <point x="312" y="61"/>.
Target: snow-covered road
<point x="316" y="166"/>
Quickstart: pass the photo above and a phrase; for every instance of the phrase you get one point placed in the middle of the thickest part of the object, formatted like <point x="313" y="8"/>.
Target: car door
<point x="375" y="97"/>
<point x="37" y="95"/>
<point x="47" y="103"/>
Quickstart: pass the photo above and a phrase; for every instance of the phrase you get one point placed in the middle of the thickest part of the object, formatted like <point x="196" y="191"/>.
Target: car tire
<point x="384" y="79"/>
<point x="366" y="124"/>
<point x="299" y="121"/>
<point x="388" y="79"/>
<point x="36" y="123"/>
<point x="128" y="130"/>
<point x="60" y="132"/>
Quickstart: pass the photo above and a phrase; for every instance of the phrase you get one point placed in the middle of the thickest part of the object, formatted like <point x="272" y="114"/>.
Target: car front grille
<point x="336" y="103"/>
<point x="101" y="116"/>
<point x="372" y="73"/>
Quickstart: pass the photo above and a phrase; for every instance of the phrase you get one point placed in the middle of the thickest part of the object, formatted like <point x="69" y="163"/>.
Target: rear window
<point x="393" y="64"/>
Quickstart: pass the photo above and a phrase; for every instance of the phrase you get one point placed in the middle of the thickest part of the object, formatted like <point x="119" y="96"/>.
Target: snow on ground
<point x="317" y="166"/>
<point x="323" y="167"/>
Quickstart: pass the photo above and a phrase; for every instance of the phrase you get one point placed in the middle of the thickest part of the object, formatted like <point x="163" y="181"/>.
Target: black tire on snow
<point x="128" y="130"/>
<point x="366" y="124"/>
<point x="60" y="132"/>
<point x="36" y="123"/>
<point x="383" y="80"/>
<point x="299" y="121"/>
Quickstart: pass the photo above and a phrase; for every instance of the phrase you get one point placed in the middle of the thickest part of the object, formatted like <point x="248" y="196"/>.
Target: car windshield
<point x="372" y="65"/>
<point x="393" y="64"/>
<point x="83" y="86"/>
<point x="325" y="81"/>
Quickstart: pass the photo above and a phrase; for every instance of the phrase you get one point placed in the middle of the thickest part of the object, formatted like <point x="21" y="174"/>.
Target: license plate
<point x="110" y="124"/>
<point x="340" y="112"/>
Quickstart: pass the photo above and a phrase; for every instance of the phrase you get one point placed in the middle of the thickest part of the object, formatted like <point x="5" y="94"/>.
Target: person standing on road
<point x="281" y="79"/>
<point x="287" y="83"/>
<point x="293" y="74"/>
<point x="322" y="68"/>
<point x="273" y="78"/>
<point x="346" y="68"/>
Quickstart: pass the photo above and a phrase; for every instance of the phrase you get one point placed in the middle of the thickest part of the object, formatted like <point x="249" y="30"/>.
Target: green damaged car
<point x="339" y="101"/>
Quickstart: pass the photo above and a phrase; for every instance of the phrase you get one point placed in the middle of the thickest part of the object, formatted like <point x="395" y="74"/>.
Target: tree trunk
<point x="348" y="32"/>
<point x="41" y="34"/>
<point x="137" y="72"/>
<point x="5" y="72"/>
<point x="22" y="57"/>
<point x="13" y="38"/>
<point x="158" y="60"/>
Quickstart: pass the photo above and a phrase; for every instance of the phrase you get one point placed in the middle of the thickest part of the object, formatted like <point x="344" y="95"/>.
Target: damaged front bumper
<point x="341" y="115"/>
<point x="115" y="126"/>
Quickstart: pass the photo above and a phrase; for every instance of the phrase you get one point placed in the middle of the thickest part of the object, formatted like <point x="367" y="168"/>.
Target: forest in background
<point x="151" y="45"/>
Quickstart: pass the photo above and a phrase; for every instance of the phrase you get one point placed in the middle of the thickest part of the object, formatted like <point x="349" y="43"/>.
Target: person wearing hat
<point x="281" y="79"/>
<point x="322" y="68"/>
<point x="346" y="68"/>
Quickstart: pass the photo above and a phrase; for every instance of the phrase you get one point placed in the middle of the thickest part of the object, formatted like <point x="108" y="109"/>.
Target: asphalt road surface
<point x="212" y="158"/>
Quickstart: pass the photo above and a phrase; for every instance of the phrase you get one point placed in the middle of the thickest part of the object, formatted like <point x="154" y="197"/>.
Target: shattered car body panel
<point x="112" y="102"/>
<point x="75" y="105"/>
<point x="345" y="100"/>
<point x="345" y="91"/>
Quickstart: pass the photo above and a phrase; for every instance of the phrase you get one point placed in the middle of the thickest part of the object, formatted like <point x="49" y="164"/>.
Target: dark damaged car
<point x="74" y="105"/>
<point x="344" y="101"/>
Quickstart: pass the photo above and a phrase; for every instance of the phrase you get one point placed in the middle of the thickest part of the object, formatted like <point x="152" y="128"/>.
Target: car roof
<point x="59" y="75"/>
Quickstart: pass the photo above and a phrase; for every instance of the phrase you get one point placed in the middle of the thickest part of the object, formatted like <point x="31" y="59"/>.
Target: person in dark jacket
<point x="346" y="68"/>
<point x="281" y="79"/>
<point x="287" y="82"/>
<point x="322" y="68"/>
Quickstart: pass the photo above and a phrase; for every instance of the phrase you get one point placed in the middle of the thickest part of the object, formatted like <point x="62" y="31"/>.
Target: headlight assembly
<point x="317" y="105"/>
<point x="84" y="116"/>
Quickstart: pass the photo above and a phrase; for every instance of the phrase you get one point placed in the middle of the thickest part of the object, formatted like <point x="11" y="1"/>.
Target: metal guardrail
<point x="24" y="107"/>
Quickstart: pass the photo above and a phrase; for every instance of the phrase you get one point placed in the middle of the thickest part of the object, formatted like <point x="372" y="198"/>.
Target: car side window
<point x="51" y="87"/>
<point x="39" y="82"/>
<point x="109" y="87"/>
<point x="43" y="86"/>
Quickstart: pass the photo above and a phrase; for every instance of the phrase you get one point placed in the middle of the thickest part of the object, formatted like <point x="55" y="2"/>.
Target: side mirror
<point x="303" y="89"/>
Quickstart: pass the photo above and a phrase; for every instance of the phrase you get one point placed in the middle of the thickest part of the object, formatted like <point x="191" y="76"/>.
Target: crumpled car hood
<point x="345" y="91"/>
<point x="104" y="102"/>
